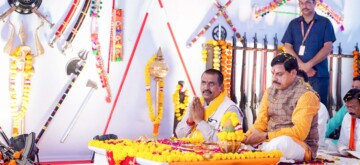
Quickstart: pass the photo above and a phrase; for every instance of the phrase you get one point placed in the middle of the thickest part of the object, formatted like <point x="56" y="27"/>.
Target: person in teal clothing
<point x="335" y="122"/>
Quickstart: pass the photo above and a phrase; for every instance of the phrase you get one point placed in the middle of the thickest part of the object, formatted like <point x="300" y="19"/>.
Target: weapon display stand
<point x="25" y="6"/>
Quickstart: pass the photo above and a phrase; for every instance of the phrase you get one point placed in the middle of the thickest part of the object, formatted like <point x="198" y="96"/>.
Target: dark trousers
<point x="321" y="86"/>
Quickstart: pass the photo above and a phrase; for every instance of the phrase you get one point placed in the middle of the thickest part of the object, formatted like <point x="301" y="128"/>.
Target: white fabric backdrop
<point x="130" y="118"/>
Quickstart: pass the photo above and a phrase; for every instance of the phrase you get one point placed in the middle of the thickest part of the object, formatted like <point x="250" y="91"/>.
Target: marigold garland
<point x="226" y="64"/>
<point x="21" y="62"/>
<point x="180" y="107"/>
<point x="122" y="148"/>
<point x="155" y="119"/>
<point x="356" y="63"/>
<point x="222" y="59"/>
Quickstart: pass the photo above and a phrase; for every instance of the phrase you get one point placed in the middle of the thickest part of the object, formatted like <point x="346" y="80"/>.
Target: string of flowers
<point x="273" y="5"/>
<point x="155" y="119"/>
<point x="205" y="52"/>
<point x="122" y="148"/>
<point x="320" y="5"/>
<point x="216" y="58"/>
<point x="18" y="56"/>
<point x="356" y="63"/>
<point x="180" y="107"/>
<point x="226" y="64"/>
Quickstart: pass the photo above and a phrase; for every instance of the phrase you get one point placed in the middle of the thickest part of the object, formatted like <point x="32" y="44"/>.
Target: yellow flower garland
<point x="226" y="64"/>
<point x="17" y="56"/>
<point x="178" y="105"/>
<point x="216" y="59"/>
<point x="210" y="110"/>
<point x="122" y="148"/>
<point x="155" y="119"/>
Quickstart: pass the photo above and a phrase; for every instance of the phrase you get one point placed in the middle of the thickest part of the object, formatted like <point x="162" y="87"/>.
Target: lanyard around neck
<point x="307" y="32"/>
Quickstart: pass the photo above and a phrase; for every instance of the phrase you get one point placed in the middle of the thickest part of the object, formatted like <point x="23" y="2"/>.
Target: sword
<point x="66" y="21"/>
<point x="76" y="27"/>
<point x="39" y="47"/>
<point x="93" y="86"/>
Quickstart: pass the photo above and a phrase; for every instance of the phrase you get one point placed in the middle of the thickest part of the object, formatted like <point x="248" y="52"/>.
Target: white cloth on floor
<point x="323" y="117"/>
<point x="290" y="149"/>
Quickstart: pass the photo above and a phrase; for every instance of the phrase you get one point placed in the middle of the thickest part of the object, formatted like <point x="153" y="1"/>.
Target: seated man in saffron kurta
<point x="202" y="118"/>
<point x="287" y="118"/>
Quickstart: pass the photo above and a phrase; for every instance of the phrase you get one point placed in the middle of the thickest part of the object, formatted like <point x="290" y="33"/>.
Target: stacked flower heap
<point x="230" y="133"/>
<point x="231" y="129"/>
<point x="162" y="151"/>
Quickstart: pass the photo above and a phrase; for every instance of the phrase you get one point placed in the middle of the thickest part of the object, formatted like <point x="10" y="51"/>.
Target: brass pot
<point x="229" y="146"/>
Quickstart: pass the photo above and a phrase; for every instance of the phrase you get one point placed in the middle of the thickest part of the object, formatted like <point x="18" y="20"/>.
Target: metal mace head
<point x="159" y="69"/>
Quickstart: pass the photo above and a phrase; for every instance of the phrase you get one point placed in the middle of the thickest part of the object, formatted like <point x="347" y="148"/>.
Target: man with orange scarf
<point x="350" y="128"/>
<point x="287" y="118"/>
<point x="203" y="117"/>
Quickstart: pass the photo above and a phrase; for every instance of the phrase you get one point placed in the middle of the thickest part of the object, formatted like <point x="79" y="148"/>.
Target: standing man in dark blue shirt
<point x="309" y="38"/>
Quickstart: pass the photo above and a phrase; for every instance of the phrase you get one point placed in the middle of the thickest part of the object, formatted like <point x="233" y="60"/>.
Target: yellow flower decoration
<point x="231" y="128"/>
<point x="155" y="119"/>
<point x="122" y="148"/>
<point x="21" y="61"/>
<point x="178" y="106"/>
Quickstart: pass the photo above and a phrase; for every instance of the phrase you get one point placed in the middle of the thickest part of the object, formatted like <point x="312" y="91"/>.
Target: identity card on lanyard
<point x="302" y="46"/>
